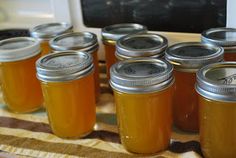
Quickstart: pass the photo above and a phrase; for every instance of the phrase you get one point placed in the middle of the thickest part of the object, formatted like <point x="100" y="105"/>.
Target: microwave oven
<point x="91" y="15"/>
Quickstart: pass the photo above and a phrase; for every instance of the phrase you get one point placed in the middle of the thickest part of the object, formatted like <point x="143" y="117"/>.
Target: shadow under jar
<point x="187" y="58"/>
<point x="45" y="32"/>
<point x="80" y="41"/>
<point x="143" y="89"/>
<point x="20" y="87"/>
<point x="68" y="87"/>
<point x="110" y="34"/>
<point x="141" y="45"/>
<point x="225" y="37"/>
<point x="216" y="86"/>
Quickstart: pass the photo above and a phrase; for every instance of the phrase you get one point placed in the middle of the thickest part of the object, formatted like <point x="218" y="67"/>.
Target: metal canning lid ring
<point x="81" y="41"/>
<point x="141" y="75"/>
<point x="141" y="45"/>
<point x="110" y="34"/>
<point x="64" y="66"/>
<point x="191" y="56"/>
<point x="218" y="81"/>
<point x="18" y="48"/>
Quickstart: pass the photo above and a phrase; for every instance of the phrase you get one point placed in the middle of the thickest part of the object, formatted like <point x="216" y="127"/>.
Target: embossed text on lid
<point x="140" y="75"/>
<point x="217" y="81"/>
<point x="84" y="41"/>
<point x="190" y="56"/>
<point x="141" y="45"/>
<point x="64" y="66"/>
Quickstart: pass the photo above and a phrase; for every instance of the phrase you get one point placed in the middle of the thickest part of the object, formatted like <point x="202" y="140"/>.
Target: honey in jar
<point x="143" y="89"/>
<point x="141" y="45"/>
<point x="20" y="87"/>
<point x="187" y="58"/>
<point x="224" y="37"/>
<point x="216" y="86"/>
<point x="45" y="32"/>
<point x="80" y="41"/>
<point x="68" y="87"/>
<point x="110" y="34"/>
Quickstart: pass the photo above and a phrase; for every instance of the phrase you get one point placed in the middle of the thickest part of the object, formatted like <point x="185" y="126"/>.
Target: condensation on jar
<point x="224" y="37"/>
<point x="80" y="41"/>
<point x="45" y="32"/>
<point x="68" y="87"/>
<point x="143" y="89"/>
<point x="141" y="45"/>
<point x="110" y="34"/>
<point x="216" y="86"/>
<point x="187" y="58"/>
<point x="20" y="87"/>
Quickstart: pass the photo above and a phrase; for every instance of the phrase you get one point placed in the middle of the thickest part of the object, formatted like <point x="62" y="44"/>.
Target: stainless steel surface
<point x="190" y="56"/>
<point x="64" y="66"/>
<point x="141" y="45"/>
<point x="218" y="81"/>
<point x="141" y="75"/>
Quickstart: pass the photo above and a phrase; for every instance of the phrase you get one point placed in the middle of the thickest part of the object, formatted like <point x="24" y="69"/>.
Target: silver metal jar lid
<point x="218" y="81"/>
<point x="114" y="32"/>
<point x="64" y="66"/>
<point x="50" y="30"/>
<point x="225" y="37"/>
<point x="82" y="41"/>
<point x="141" y="45"/>
<point x="19" y="48"/>
<point x="191" y="56"/>
<point x="141" y="75"/>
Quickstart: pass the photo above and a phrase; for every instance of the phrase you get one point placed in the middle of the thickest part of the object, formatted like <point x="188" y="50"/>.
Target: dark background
<point x="158" y="15"/>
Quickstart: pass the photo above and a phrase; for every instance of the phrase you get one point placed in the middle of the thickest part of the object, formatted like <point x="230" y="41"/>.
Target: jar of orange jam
<point x="45" y="32"/>
<point x="110" y="34"/>
<point x="141" y="45"/>
<point x="225" y="37"/>
<point x="80" y="41"/>
<point x="216" y="86"/>
<point x="68" y="87"/>
<point x="20" y="87"/>
<point x="187" y="58"/>
<point x="143" y="89"/>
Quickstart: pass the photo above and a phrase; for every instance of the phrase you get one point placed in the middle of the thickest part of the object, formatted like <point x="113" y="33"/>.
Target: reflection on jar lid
<point x="190" y="56"/>
<point x="82" y="41"/>
<point x="225" y="37"/>
<point x="110" y="34"/>
<point x="141" y="75"/>
<point x="50" y="30"/>
<point x="19" y="48"/>
<point x="141" y="45"/>
<point x="217" y="81"/>
<point x="64" y="66"/>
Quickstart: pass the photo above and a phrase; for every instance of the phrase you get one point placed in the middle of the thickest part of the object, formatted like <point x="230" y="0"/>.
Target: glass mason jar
<point x="20" y="87"/>
<point x="80" y="41"/>
<point x="110" y="34"/>
<point x="225" y="37"/>
<point x="216" y="86"/>
<point x="141" y="45"/>
<point x="187" y="58"/>
<point x="45" y="32"/>
<point x="68" y="87"/>
<point x="143" y="97"/>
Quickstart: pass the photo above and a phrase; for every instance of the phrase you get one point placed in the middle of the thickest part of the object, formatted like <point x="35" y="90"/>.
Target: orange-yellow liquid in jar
<point x="21" y="89"/>
<point x="96" y="75"/>
<point x="185" y="105"/>
<point x="145" y="120"/>
<point x="110" y="57"/>
<point x="230" y="56"/>
<point x="46" y="49"/>
<point x="217" y="128"/>
<point x="71" y="106"/>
